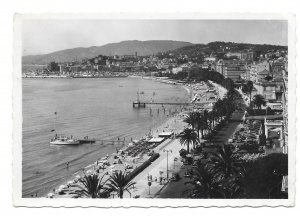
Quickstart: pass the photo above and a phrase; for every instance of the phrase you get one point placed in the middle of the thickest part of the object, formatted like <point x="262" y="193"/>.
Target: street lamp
<point x="175" y="159"/>
<point x="149" y="184"/>
<point x="167" y="162"/>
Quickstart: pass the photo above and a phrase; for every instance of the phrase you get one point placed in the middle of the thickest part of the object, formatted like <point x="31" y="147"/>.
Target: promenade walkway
<point x="157" y="169"/>
<point x="176" y="189"/>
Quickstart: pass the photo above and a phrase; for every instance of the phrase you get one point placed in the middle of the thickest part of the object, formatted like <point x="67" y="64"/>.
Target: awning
<point x="156" y="140"/>
<point x="166" y="134"/>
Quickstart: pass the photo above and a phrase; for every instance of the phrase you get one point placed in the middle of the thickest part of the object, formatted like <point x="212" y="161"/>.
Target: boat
<point x="64" y="141"/>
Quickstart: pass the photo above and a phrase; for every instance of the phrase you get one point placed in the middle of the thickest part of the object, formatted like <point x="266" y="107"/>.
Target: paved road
<point x="176" y="189"/>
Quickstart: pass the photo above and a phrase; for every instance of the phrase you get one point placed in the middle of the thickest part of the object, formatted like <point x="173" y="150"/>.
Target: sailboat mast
<point x="55" y="113"/>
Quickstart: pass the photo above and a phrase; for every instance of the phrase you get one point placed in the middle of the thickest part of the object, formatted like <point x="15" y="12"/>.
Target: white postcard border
<point x="107" y="203"/>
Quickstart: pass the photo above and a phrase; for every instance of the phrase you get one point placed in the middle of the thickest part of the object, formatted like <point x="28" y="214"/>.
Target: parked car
<point x="175" y="177"/>
<point x="129" y="166"/>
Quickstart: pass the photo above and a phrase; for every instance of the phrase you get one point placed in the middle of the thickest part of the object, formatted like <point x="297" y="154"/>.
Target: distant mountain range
<point x="122" y="48"/>
<point x="144" y="48"/>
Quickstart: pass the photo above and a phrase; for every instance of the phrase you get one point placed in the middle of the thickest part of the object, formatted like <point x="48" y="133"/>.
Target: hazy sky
<point x="44" y="36"/>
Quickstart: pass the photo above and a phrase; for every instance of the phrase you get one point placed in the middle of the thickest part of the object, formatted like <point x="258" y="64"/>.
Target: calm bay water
<point x="98" y="108"/>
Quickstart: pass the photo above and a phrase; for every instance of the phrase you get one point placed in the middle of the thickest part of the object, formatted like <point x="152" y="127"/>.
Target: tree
<point x="245" y="89"/>
<point x="218" y="109"/>
<point x="233" y="187"/>
<point x="119" y="183"/>
<point x="93" y="187"/>
<point x="228" y="84"/>
<point x="203" y="184"/>
<point x="258" y="101"/>
<point x="201" y="123"/>
<point x="191" y="119"/>
<point x="187" y="137"/>
<point x="225" y="164"/>
<point x="227" y="107"/>
<point x="250" y="88"/>
<point x="53" y="66"/>
<point x="262" y="139"/>
<point x="264" y="176"/>
<point x="268" y="78"/>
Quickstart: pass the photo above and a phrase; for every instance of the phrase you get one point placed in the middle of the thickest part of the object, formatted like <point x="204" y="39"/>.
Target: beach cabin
<point x="166" y="135"/>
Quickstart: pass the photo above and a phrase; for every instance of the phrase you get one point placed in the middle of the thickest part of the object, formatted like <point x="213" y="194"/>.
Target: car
<point x="129" y="166"/>
<point x="151" y="153"/>
<point x="175" y="177"/>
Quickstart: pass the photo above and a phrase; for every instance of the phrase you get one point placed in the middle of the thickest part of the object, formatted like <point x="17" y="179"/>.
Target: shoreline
<point x="168" y="124"/>
<point x="171" y="123"/>
<point x="159" y="127"/>
<point x="165" y="125"/>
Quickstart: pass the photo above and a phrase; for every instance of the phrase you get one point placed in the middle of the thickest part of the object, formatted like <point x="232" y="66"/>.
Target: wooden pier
<point x="139" y="104"/>
<point x="107" y="142"/>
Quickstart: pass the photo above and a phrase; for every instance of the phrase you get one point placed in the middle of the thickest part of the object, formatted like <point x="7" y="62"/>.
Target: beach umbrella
<point x="70" y="182"/>
<point x="62" y="187"/>
<point x="50" y="195"/>
<point x="130" y="144"/>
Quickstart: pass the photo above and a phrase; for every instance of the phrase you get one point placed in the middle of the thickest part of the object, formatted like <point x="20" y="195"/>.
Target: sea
<point x="98" y="108"/>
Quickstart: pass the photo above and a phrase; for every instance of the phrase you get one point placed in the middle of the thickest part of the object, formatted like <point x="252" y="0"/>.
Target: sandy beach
<point x="134" y="154"/>
<point x="122" y="160"/>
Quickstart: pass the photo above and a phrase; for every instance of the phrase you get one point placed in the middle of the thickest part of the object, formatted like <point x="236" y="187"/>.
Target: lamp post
<point x="175" y="159"/>
<point x="149" y="184"/>
<point x="167" y="162"/>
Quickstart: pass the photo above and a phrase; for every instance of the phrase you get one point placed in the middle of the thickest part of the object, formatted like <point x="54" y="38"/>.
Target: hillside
<point x="122" y="48"/>
<point x="218" y="46"/>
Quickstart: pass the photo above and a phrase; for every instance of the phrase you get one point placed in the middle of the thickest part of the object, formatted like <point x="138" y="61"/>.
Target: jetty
<point x="139" y="104"/>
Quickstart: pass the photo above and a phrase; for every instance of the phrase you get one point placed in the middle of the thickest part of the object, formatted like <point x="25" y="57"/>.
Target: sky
<point x="46" y="36"/>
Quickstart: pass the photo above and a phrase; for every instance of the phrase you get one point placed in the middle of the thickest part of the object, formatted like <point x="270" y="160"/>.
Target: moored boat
<point x="64" y="141"/>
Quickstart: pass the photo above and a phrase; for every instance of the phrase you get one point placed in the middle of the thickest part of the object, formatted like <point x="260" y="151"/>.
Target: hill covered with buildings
<point x="220" y="48"/>
<point x="141" y="48"/>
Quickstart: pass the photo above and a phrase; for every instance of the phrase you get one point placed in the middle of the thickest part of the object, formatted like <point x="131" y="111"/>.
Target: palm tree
<point x="219" y="109"/>
<point x="187" y="137"/>
<point x="191" y="119"/>
<point x="201" y="124"/>
<point x="93" y="187"/>
<point x="258" y="101"/>
<point x="225" y="164"/>
<point x="119" y="183"/>
<point x="203" y="184"/>
<point x="233" y="187"/>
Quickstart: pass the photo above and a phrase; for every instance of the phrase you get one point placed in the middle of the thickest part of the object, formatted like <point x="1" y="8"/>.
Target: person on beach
<point x="68" y="165"/>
